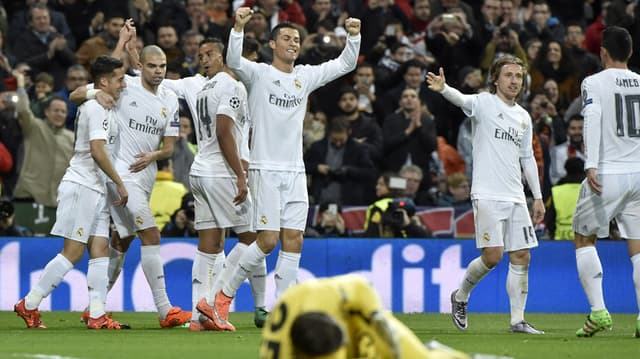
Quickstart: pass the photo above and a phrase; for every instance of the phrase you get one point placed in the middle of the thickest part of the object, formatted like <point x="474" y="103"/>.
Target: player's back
<point x="221" y="95"/>
<point x="617" y="92"/>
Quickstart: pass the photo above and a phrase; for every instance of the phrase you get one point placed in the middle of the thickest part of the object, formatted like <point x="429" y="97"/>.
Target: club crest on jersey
<point x="234" y="102"/>
<point x="164" y="112"/>
<point x="297" y="83"/>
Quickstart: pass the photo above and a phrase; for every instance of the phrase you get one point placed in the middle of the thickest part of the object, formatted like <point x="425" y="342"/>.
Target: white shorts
<point x="280" y="200"/>
<point x="503" y="224"/>
<point x="102" y="221"/>
<point x="136" y="216"/>
<point x="214" y="206"/>
<point x="620" y="199"/>
<point x="78" y="208"/>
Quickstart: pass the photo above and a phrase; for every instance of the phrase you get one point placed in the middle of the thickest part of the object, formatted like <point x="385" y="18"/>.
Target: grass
<point x="66" y="338"/>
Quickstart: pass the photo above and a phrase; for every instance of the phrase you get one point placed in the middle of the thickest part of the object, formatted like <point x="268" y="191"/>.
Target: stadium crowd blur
<point x="379" y="122"/>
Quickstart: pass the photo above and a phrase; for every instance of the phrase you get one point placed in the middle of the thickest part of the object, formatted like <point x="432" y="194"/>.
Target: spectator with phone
<point x="329" y="223"/>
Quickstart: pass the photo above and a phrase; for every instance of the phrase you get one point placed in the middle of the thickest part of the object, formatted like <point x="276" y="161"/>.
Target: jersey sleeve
<point x="592" y="113"/>
<point x="230" y="100"/>
<point x="526" y="147"/>
<point x="98" y="121"/>
<point x="319" y="75"/>
<point x="177" y="86"/>
<point x="467" y="103"/>
<point x="173" y="123"/>
<point x="242" y="67"/>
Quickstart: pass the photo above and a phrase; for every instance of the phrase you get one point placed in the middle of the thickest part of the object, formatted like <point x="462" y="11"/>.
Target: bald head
<point x="150" y="50"/>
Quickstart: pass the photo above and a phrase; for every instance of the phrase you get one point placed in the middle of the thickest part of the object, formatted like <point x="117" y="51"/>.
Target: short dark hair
<point x="283" y="25"/>
<point x="250" y="45"/>
<point x="618" y="43"/>
<point x="576" y="117"/>
<point x="339" y="124"/>
<point x="217" y="43"/>
<point x="54" y="98"/>
<point x="316" y="333"/>
<point x="104" y="66"/>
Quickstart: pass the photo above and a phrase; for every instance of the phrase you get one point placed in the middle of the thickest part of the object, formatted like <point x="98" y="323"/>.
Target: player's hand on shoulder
<point x="436" y="82"/>
<point x="352" y="25"/>
<point x="107" y="101"/>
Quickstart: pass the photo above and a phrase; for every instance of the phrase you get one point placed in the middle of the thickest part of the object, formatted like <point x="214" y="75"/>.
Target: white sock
<point x="635" y="260"/>
<point x="590" y="273"/>
<point x="116" y="261"/>
<point x="52" y="275"/>
<point x="474" y="274"/>
<point x="230" y="264"/>
<point x="250" y="259"/>
<point x="258" y="280"/>
<point x="97" y="284"/>
<point x="287" y="272"/>
<point x="201" y="279"/>
<point x="154" y="272"/>
<point x="517" y="289"/>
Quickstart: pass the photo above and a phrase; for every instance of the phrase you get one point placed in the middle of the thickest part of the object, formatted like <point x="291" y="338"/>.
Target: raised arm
<point x="438" y="83"/>
<point x="242" y="67"/>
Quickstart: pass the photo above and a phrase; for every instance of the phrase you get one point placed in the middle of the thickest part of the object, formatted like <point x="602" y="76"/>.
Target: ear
<point x="272" y="44"/>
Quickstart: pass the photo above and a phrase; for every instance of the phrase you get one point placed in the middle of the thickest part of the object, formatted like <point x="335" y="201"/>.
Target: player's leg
<point x="124" y="234"/>
<point x="634" y="252"/>
<point x="97" y="281"/>
<point x="590" y="221"/>
<point x="295" y="210"/>
<point x="490" y="227"/>
<point x="519" y="239"/>
<point x="206" y="269"/>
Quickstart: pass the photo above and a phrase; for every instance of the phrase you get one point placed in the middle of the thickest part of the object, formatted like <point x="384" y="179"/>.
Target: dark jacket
<point x="356" y="171"/>
<point x="397" y="145"/>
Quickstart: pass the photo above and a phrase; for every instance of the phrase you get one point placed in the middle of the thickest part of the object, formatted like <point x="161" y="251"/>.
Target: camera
<point x="394" y="215"/>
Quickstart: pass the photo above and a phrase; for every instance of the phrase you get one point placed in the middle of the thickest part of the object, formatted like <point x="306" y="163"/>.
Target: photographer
<point x="393" y="216"/>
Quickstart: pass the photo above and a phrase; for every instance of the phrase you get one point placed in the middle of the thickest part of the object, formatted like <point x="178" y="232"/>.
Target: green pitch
<point x="66" y="338"/>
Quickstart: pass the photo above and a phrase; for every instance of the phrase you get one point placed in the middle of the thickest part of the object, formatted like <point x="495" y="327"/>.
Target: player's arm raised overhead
<point x="343" y="64"/>
<point x="438" y="83"/>
<point x="242" y="67"/>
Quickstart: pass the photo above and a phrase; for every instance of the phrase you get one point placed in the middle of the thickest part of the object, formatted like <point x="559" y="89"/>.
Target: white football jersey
<point x="93" y="122"/>
<point x="221" y="95"/>
<point x="144" y="118"/>
<point x="278" y="102"/>
<point x="611" y="110"/>
<point x="501" y="134"/>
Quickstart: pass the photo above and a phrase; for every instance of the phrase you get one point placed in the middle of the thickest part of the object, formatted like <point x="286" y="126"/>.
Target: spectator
<point x="7" y="61"/>
<point x="561" y="103"/>
<point x="279" y="11"/>
<point x="43" y="47"/>
<point x="42" y="87"/>
<point x="398" y="220"/>
<point x="338" y="166"/>
<point x="387" y="72"/>
<point x="414" y="175"/>
<point x="546" y="121"/>
<point x="465" y="146"/>
<point x="77" y="76"/>
<point x="166" y="194"/>
<point x="188" y="62"/>
<point x="564" y="197"/>
<point x="329" y="223"/>
<point x="48" y="148"/>
<point x="363" y="128"/>
<point x="22" y="22"/>
<point x="182" y="222"/>
<point x="365" y="87"/>
<point x="459" y="192"/>
<point x="167" y="39"/>
<point x="6" y="163"/>
<point x="183" y="152"/>
<point x="200" y="21"/>
<point x="585" y="62"/>
<point x="503" y="42"/>
<point x="103" y="43"/>
<point x="489" y="24"/>
<point x="317" y="12"/>
<point x="8" y="226"/>
<point x="11" y="138"/>
<point x="470" y="80"/>
<point x="409" y="135"/>
<point x="573" y="147"/>
<point x="554" y="62"/>
<point x="542" y="26"/>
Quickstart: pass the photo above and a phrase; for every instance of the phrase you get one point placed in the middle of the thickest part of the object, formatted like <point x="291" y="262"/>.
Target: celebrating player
<point x="501" y="145"/>
<point x="81" y="202"/>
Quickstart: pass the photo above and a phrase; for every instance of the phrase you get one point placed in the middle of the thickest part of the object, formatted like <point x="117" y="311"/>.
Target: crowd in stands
<point x="377" y="137"/>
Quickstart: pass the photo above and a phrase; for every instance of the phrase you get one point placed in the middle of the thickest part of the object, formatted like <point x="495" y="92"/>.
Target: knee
<point x="491" y="256"/>
<point x="267" y="240"/>
<point x="522" y="257"/>
<point x="581" y="241"/>
<point x="292" y="241"/>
